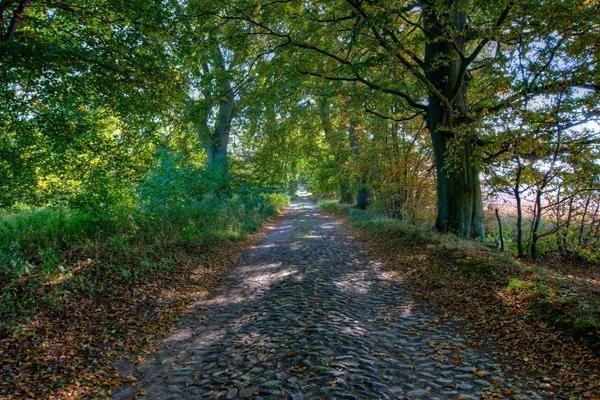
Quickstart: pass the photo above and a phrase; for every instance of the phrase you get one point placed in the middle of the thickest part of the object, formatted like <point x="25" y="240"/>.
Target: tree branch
<point x="383" y="116"/>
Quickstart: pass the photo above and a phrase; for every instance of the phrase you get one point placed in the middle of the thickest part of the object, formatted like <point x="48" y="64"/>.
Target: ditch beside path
<point x="308" y="315"/>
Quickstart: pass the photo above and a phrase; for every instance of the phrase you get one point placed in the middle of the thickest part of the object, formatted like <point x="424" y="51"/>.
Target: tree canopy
<point x="143" y="143"/>
<point x="397" y="104"/>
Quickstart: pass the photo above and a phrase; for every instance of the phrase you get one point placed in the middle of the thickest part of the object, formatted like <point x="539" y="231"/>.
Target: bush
<point x="31" y="241"/>
<point x="189" y="204"/>
<point x="122" y="233"/>
<point x="332" y="206"/>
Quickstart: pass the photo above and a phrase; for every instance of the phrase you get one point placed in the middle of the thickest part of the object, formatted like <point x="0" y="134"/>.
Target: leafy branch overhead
<point x="141" y="140"/>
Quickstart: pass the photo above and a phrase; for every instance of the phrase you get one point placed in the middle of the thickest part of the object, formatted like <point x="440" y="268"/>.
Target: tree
<point x="86" y="91"/>
<point x="338" y="143"/>
<point x="443" y="57"/>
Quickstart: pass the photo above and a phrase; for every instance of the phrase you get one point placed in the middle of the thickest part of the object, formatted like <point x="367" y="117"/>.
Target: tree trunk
<point x="459" y="206"/>
<point x="216" y="140"/>
<point x="216" y="145"/>
<point x="583" y="216"/>
<point x="15" y="20"/>
<point x="500" y="233"/>
<point x="535" y="224"/>
<point x="362" y="198"/>
<point x="362" y="195"/>
<point x="340" y="151"/>
<point x="562" y="233"/>
<point x="519" y="205"/>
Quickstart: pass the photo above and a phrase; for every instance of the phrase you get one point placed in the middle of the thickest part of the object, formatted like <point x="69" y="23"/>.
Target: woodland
<point x="142" y="138"/>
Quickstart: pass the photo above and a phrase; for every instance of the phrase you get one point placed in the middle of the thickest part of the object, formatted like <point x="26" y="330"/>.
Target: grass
<point x="47" y="252"/>
<point x="80" y="288"/>
<point x="541" y="314"/>
<point x="333" y="206"/>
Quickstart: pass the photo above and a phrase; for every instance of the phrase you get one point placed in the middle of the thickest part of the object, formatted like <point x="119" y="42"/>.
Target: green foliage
<point x="31" y="239"/>
<point x="332" y="206"/>
<point x="515" y="284"/>
<point x="121" y="234"/>
<point x="172" y="185"/>
<point x="182" y="199"/>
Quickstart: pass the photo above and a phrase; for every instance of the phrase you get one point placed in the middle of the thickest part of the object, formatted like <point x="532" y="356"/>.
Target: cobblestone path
<point x="307" y="315"/>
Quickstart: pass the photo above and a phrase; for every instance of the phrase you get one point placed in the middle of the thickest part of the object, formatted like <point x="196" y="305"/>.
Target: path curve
<point x="307" y="315"/>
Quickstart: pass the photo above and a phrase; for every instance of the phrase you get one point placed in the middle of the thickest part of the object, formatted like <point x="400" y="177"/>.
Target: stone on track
<point x="307" y="315"/>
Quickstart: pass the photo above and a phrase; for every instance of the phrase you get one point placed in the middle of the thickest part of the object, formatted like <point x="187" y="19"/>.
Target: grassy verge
<point x="543" y="318"/>
<point x="79" y="289"/>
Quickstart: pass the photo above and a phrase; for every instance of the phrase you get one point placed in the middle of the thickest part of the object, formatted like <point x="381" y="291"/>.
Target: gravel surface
<point x="307" y="315"/>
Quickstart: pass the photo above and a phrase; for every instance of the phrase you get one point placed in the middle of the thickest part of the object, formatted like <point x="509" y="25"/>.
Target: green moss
<point x="515" y="284"/>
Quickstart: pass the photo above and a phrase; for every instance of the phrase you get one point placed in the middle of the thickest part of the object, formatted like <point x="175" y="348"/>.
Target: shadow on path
<point x="307" y="315"/>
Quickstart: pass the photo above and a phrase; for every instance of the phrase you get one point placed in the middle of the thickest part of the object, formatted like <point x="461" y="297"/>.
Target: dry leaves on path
<point x="68" y="352"/>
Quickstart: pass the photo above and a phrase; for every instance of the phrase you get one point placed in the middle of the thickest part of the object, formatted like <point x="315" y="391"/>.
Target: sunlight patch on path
<point x="307" y="315"/>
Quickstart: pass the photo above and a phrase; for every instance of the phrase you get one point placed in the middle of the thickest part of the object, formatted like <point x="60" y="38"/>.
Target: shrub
<point x="31" y="241"/>
<point x="188" y="204"/>
<point x="332" y="206"/>
<point x="122" y="233"/>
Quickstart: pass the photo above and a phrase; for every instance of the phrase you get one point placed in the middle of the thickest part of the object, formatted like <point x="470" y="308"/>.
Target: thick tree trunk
<point x="216" y="145"/>
<point x="459" y="208"/>
<point x="362" y="198"/>
<point x="216" y="140"/>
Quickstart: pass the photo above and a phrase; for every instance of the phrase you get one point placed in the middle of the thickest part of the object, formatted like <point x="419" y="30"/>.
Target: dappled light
<point x="298" y="314"/>
<point x="353" y="283"/>
<point x="298" y="200"/>
<point x="267" y="279"/>
<point x="330" y="225"/>
<point x="309" y="236"/>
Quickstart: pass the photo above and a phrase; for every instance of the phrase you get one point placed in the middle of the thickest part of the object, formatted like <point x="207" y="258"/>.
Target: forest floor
<point x="310" y="313"/>
<point x="113" y="304"/>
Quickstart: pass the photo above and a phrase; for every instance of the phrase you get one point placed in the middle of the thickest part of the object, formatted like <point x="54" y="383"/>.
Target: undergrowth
<point x="98" y="276"/>
<point x="48" y="252"/>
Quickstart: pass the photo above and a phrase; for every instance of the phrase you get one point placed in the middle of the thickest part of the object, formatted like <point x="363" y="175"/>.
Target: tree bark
<point x="535" y="224"/>
<point x="583" y="216"/>
<point x="500" y="233"/>
<point x="460" y="207"/>
<point x="362" y="195"/>
<point x="15" y="20"/>
<point x="519" y="205"/>
<point x="216" y="140"/>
